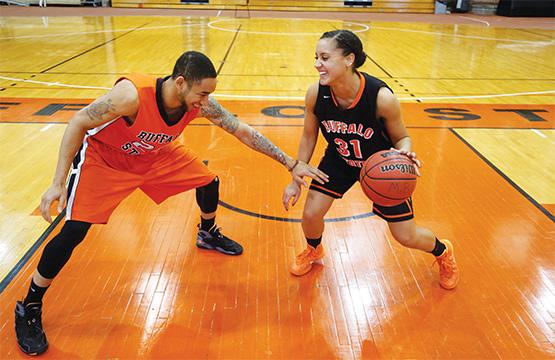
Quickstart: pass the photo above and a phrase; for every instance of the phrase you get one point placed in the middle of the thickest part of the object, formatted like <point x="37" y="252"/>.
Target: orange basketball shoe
<point x="448" y="271"/>
<point x="303" y="261"/>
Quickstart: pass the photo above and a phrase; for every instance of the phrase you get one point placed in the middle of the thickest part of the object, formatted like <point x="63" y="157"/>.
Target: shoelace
<point x="35" y="326"/>
<point x="306" y="252"/>
<point x="446" y="264"/>
<point x="216" y="233"/>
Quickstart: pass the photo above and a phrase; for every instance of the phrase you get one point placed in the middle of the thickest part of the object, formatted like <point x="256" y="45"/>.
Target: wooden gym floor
<point x="478" y="98"/>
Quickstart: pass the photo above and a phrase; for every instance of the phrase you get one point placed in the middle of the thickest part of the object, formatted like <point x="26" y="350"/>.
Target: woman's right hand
<point x="291" y="192"/>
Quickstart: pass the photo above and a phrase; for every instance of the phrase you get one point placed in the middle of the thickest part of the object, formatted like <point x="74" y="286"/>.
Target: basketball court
<point x="477" y="96"/>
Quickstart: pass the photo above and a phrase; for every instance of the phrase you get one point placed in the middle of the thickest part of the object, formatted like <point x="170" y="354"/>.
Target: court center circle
<point x="211" y="25"/>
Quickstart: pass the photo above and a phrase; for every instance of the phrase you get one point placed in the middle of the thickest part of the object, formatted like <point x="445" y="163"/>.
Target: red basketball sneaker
<point x="448" y="271"/>
<point x="303" y="261"/>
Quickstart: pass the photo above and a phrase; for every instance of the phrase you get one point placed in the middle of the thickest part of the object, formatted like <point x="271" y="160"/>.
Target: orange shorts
<point x="101" y="178"/>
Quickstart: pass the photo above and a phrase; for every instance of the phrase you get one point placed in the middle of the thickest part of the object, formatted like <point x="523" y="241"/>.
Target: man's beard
<point x="183" y="101"/>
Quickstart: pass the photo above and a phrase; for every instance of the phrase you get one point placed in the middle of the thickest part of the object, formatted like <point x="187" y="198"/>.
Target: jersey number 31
<point x="343" y="147"/>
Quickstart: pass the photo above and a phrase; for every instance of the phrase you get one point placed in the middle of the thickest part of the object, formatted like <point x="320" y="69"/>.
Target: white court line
<point x="97" y="32"/>
<point x="366" y="28"/>
<point x="469" y="18"/>
<point x="46" y="127"/>
<point x="55" y="83"/>
<point x="295" y="97"/>
<point x="454" y="35"/>
<point x="479" y="96"/>
<point x="400" y="99"/>
<point x="539" y="133"/>
<point x="261" y="97"/>
<point x="219" y="12"/>
<point x="211" y="25"/>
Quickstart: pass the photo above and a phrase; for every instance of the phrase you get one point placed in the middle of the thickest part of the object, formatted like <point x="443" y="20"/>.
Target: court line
<point x="481" y="21"/>
<point x="46" y="127"/>
<point x="365" y="28"/>
<point x="539" y="133"/>
<point x="379" y="66"/>
<point x="54" y="83"/>
<point x="96" y="32"/>
<point x="528" y="31"/>
<point x="502" y="174"/>
<point x="480" y="96"/>
<point x="271" y="97"/>
<point x="312" y="76"/>
<point x="458" y="36"/>
<point x="39" y="241"/>
<point x="399" y="98"/>
<point x="91" y="49"/>
<point x="294" y="220"/>
<point x="229" y="49"/>
<point x="25" y="258"/>
<point x="211" y="25"/>
<point x="15" y="270"/>
<point x="283" y="219"/>
<point x="524" y="47"/>
<point x="290" y="125"/>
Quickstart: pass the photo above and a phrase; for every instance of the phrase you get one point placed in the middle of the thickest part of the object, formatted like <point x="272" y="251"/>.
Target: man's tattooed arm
<point x="214" y="112"/>
<point x="99" y="108"/>
<point x="102" y="110"/>
<point x="265" y="146"/>
<point x="122" y="99"/>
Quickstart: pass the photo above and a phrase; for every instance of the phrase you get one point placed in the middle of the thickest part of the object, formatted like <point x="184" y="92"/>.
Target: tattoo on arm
<point x="99" y="108"/>
<point x="220" y="116"/>
<point x="265" y="146"/>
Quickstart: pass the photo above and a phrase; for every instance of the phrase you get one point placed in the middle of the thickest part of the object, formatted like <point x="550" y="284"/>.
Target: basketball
<point x="388" y="178"/>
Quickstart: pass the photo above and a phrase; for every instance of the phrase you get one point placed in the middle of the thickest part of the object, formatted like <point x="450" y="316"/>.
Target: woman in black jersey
<point x="358" y="115"/>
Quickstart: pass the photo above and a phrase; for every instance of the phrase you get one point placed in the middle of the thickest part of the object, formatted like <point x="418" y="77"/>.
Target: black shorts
<point x="342" y="177"/>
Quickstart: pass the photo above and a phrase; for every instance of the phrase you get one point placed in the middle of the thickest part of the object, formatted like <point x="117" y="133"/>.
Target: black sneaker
<point x="215" y="240"/>
<point x="28" y="328"/>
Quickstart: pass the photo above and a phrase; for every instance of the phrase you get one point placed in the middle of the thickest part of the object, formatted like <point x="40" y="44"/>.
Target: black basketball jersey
<point x="353" y="133"/>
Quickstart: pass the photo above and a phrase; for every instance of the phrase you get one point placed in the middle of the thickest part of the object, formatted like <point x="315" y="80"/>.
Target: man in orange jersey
<point x="124" y="140"/>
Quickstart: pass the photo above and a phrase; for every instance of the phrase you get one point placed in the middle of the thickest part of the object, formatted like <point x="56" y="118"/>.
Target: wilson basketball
<point x="388" y="178"/>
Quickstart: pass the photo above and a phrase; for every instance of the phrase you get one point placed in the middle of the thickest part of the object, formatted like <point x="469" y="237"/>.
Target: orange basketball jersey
<point x="149" y="132"/>
<point x="117" y="158"/>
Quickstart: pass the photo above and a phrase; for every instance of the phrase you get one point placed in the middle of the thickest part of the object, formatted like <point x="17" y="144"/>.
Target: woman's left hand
<point x="291" y="192"/>
<point x="412" y="156"/>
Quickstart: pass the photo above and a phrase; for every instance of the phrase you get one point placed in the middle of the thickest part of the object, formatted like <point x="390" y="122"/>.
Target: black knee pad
<point x="208" y="196"/>
<point x="58" y="251"/>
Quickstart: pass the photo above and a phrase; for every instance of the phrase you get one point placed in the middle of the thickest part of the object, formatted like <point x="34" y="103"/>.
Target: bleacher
<point x="383" y="6"/>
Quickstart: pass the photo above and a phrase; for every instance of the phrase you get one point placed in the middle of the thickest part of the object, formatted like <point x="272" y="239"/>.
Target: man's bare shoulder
<point x="125" y="92"/>
<point x="125" y="97"/>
